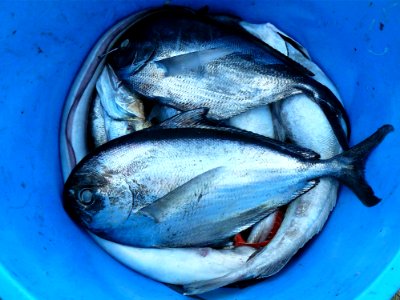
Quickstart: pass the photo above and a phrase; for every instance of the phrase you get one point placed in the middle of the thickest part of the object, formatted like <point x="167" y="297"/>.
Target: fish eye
<point x="125" y="43"/>
<point x="86" y="196"/>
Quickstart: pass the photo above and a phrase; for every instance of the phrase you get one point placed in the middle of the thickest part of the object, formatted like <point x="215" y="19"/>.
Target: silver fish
<point x="281" y="42"/>
<point x="119" y="193"/>
<point x="115" y="111"/>
<point x="306" y="125"/>
<point x="216" y="66"/>
<point x="116" y="99"/>
<point x="73" y="148"/>
<point x="178" y="265"/>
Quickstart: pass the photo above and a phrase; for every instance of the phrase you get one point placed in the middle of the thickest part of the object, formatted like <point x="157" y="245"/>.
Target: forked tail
<point x="353" y="161"/>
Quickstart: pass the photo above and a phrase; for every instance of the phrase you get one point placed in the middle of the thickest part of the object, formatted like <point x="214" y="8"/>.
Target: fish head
<point x="98" y="200"/>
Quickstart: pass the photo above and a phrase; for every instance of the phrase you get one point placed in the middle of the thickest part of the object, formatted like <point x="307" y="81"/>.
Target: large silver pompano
<point x="141" y="188"/>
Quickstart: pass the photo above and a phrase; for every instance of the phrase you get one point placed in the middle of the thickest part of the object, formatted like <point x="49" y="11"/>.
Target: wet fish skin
<point x="115" y="111"/>
<point x="260" y="231"/>
<point x="178" y="265"/>
<point x="119" y="175"/>
<point x="203" y="68"/>
<point x="303" y="122"/>
<point x="119" y="190"/>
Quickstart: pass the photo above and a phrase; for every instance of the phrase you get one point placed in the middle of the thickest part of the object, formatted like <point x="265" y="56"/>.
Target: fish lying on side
<point x="178" y="265"/>
<point x="187" y="61"/>
<point x="119" y="193"/>
<point x="115" y="111"/>
<point x="134" y="257"/>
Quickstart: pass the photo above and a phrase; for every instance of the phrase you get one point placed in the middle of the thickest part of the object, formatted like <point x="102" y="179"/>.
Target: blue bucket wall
<point x="43" y="255"/>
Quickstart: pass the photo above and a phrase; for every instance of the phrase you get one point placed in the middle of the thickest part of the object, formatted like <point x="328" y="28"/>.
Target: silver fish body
<point x="115" y="111"/>
<point x="304" y="124"/>
<point x="97" y="124"/>
<point x="260" y="231"/>
<point x="220" y="67"/>
<point x="216" y="182"/>
<point x="205" y="175"/>
<point x="178" y="265"/>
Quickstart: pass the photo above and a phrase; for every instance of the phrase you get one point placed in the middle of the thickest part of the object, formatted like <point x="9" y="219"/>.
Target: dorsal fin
<point x="197" y="118"/>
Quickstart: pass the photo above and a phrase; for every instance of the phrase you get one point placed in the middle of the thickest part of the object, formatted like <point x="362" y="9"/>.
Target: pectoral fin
<point x="191" y="61"/>
<point x="191" y="118"/>
<point x="175" y="202"/>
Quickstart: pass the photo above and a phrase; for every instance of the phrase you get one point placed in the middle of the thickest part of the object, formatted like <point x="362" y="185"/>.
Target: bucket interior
<point x="44" y="255"/>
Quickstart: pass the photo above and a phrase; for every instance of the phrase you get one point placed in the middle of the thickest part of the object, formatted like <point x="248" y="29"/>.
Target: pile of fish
<point x="213" y="149"/>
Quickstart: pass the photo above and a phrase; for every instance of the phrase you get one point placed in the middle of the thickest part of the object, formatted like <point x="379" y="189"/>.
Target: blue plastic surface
<point x="43" y="255"/>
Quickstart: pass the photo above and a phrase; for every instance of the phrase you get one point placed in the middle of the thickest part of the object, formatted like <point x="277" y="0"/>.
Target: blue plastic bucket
<point x="44" y="255"/>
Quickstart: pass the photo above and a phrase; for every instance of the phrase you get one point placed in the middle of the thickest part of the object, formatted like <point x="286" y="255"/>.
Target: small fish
<point x="206" y="183"/>
<point x="178" y="265"/>
<point x="115" y="111"/>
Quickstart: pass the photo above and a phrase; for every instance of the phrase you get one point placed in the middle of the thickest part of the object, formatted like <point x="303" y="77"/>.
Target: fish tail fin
<point x="353" y="165"/>
<point x="204" y="286"/>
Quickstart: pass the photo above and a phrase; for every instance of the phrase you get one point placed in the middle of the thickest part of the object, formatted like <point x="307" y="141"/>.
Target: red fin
<point x="239" y="241"/>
